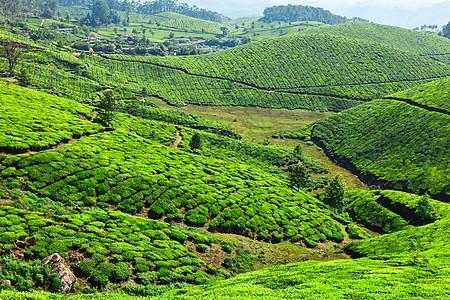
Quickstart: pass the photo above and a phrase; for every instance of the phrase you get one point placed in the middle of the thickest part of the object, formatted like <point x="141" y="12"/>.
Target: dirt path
<point x="177" y="141"/>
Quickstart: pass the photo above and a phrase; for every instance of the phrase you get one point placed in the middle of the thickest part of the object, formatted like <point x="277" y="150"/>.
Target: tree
<point x="13" y="52"/>
<point x="298" y="177"/>
<point x="196" y="141"/>
<point x="23" y="76"/>
<point x="298" y="153"/>
<point x="425" y="210"/>
<point x="224" y="30"/>
<point x="335" y="194"/>
<point x="100" y="11"/>
<point x="107" y="107"/>
<point x="446" y="30"/>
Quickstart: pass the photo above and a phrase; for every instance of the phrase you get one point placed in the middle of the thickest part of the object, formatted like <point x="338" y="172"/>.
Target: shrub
<point x="86" y="267"/>
<point x="227" y="247"/>
<point x="55" y="283"/>
<point x="121" y="272"/>
<point x="146" y="278"/>
<point x="202" y="248"/>
<point x="196" y="220"/>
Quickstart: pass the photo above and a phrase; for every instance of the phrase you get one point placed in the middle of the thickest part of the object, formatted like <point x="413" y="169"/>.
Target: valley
<point x="162" y="151"/>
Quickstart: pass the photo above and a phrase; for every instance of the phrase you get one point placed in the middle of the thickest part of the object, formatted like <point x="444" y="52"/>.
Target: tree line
<point x="152" y="7"/>
<point x="294" y="13"/>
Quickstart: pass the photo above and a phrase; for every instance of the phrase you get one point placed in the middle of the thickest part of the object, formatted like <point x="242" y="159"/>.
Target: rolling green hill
<point x="420" y="43"/>
<point x="395" y="142"/>
<point x="80" y="199"/>
<point x="314" y="72"/>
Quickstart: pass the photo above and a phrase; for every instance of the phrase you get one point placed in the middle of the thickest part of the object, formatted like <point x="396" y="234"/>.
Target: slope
<point x="316" y="72"/>
<point x="420" y="43"/>
<point x="79" y="199"/>
<point x="306" y="71"/>
<point x="397" y="143"/>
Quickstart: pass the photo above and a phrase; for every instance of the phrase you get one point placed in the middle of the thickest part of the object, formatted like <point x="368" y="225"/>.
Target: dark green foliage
<point x="363" y="208"/>
<point x="425" y="210"/>
<point x="121" y="272"/>
<point x="202" y="248"/>
<point x="23" y="76"/>
<point x="227" y="247"/>
<point x="107" y="106"/>
<point x="335" y="194"/>
<point x="100" y="11"/>
<point x="86" y="266"/>
<point x="55" y="283"/>
<point x="295" y="13"/>
<point x="27" y="275"/>
<point x="299" y="177"/>
<point x="196" y="142"/>
<point x="146" y="278"/>
<point x="446" y="30"/>
<point x="298" y="153"/>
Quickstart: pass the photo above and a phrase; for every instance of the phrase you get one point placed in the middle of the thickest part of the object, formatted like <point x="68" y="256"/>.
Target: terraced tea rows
<point x="308" y="66"/>
<point x="32" y="121"/>
<point x="394" y="143"/>
<point x="421" y="43"/>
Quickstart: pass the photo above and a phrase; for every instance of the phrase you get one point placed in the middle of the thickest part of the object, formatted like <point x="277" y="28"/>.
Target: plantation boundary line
<point x="239" y="82"/>
<point x="426" y="107"/>
<point x="286" y="91"/>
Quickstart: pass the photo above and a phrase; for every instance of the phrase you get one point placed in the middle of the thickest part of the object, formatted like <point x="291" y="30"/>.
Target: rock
<point x="57" y="265"/>
<point x="18" y="254"/>
<point x="6" y="282"/>
<point x="22" y="244"/>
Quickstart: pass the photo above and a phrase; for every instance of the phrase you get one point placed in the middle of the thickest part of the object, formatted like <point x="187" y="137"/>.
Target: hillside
<point x="399" y="142"/>
<point x="315" y="72"/>
<point x="120" y="203"/>
<point x="420" y="43"/>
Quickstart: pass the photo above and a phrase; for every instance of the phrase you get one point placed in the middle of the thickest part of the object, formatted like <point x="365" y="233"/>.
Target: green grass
<point x="252" y="123"/>
<point x="392" y="143"/>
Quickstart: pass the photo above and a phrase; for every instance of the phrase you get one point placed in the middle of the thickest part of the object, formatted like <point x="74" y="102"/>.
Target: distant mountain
<point x="408" y="18"/>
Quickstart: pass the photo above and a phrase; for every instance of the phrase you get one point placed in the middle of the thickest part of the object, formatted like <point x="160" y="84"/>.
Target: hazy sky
<point x="406" y="3"/>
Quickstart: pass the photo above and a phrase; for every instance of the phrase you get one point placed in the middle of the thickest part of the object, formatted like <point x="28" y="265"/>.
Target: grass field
<point x="253" y="123"/>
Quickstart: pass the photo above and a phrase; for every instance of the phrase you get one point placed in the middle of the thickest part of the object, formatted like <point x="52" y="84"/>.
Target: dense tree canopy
<point x="446" y="30"/>
<point x="294" y="13"/>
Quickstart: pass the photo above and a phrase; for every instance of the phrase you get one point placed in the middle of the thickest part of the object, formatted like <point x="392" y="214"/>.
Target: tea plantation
<point x="420" y="43"/>
<point x="314" y="72"/>
<point x="162" y="204"/>
<point x="395" y="143"/>
<point x="320" y="72"/>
